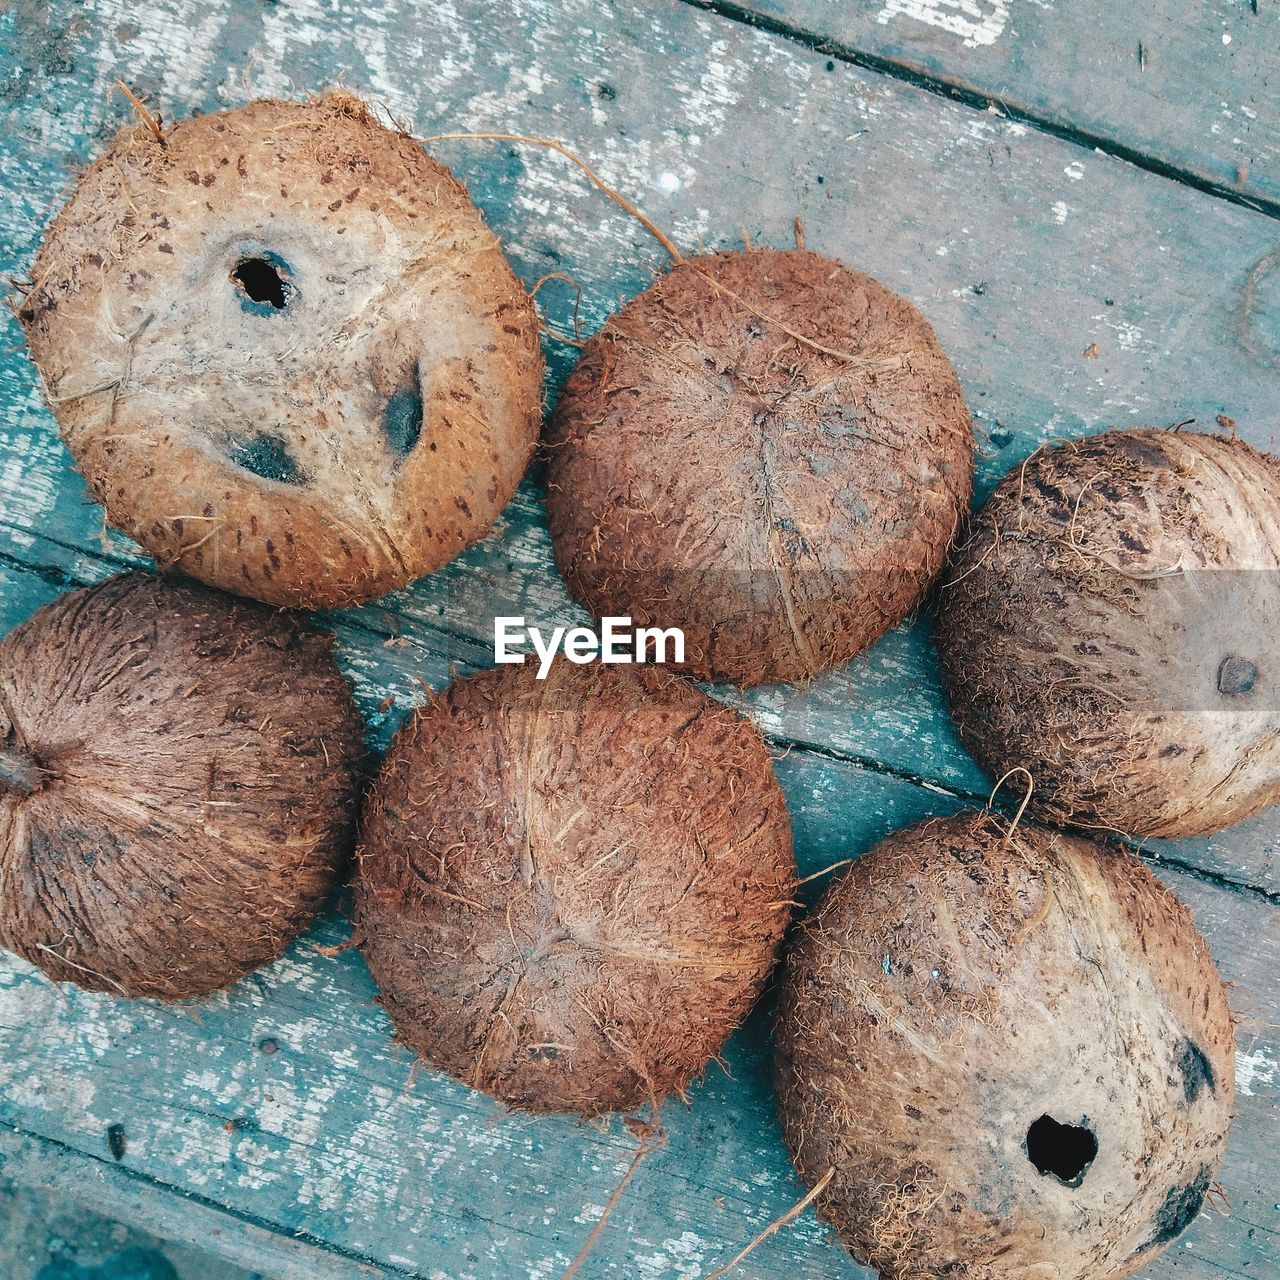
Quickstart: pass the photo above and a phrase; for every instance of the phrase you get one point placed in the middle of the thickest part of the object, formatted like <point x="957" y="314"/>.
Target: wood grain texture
<point x="333" y="1137"/>
<point x="1187" y="89"/>
<point x="1022" y="249"/>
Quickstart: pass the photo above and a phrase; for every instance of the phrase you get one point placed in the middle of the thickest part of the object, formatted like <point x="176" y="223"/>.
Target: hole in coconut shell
<point x="267" y="456"/>
<point x="262" y="280"/>
<point x="1236" y="676"/>
<point x="1064" y="1150"/>
<point x="402" y="418"/>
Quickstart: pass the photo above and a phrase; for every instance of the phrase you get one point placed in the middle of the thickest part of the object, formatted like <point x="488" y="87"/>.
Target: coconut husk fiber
<point x="285" y="351"/>
<point x="571" y="891"/>
<point x="1014" y="1051"/>
<point x="178" y="781"/>
<point x="766" y="449"/>
<point x="1111" y="623"/>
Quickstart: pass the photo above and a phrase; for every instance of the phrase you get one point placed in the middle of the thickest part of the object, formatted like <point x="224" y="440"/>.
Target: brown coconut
<point x="571" y="891"/>
<point x="1015" y="1052"/>
<point x="784" y="505"/>
<point x="178" y="779"/>
<point x="285" y="351"/>
<point x="1112" y="624"/>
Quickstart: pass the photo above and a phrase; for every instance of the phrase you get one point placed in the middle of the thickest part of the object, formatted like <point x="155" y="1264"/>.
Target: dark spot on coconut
<point x="1141" y="448"/>
<point x="267" y="456"/>
<point x="1179" y="1210"/>
<point x="1236" y="676"/>
<point x="1197" y="1071"/>
<point x="402" y="418"/>
<point x="263" y="280"/>
<point x="1064" y="1150"/>
<point x="115" y="1141"/>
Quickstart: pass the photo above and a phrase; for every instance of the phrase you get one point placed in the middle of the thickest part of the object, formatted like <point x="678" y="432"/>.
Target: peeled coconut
<point x="1014" y="1051"/>
<point x="766" y="449"/>
<point x="178" y="779"/>
<point x="571" y="891"/>
<point x="285" y="351"/>
<point x="1112" y="625"/>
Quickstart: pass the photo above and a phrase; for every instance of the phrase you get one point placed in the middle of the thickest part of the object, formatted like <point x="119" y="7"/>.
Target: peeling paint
<point x="975" y="22"/>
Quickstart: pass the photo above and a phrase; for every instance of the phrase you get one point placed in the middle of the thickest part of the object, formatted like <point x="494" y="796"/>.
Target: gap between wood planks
<point x="778" y="744"/>
<point x="967" y="95"/>
<point x="134" y="1175"/>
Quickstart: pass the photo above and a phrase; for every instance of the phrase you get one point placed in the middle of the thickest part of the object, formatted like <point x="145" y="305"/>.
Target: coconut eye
<point x="267" y="456"/>
<point x="1064" y="1150"/>
<point x="263" y="282"/>
<point x="1236" y="676"/>
<point x="402" y="418"/>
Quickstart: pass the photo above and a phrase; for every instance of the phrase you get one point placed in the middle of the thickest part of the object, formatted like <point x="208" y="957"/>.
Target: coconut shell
<point x="783" y="505"/>
<point x="1112" y="624"/>
<point x="178" y="779"/>
<point x="571" y="891"/>
<point x="1014" y="1051"/>
<point x="285" y="351"/>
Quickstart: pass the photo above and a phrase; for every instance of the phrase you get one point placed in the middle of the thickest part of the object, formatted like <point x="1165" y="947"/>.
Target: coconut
<point x="285" y="351"/>
<point x="571" y="891"/>
<point x="1112" y="625"/>
<point x="1013" y="1050"/>
<point x="766" y="449"/>
<point x="178" y="777"/>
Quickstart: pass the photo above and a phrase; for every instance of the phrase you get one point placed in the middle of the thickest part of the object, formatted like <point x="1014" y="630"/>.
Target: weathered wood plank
<point x="329" y="1136"/>
<point x="978" y="219"/>
<point x="125" y="1195"/>
<point x="1193" y="89"/>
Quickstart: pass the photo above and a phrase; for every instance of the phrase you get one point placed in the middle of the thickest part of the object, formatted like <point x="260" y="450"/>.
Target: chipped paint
<point x="975" y="22"/>
<point x="1255" y="1070"/>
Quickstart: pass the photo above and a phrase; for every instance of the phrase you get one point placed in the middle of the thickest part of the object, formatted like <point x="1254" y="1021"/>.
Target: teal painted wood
<point x="333" y="1137"/>
<point x="1189" y="88"/>
<point x="978" y="219"/>
<point x="707" y="123"/>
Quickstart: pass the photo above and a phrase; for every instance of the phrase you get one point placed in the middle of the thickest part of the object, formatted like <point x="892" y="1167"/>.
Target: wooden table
<point x="1081" y="197"/>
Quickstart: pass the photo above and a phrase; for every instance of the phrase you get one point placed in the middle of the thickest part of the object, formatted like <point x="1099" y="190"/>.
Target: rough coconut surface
<point x="178" y="779"/>
<point x="1112" y="624"/>
<point x="285" y="351"/>
<point x="571" y="891"/>
<point x="783" y="505"/>
<point x="964" y="1006"/>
